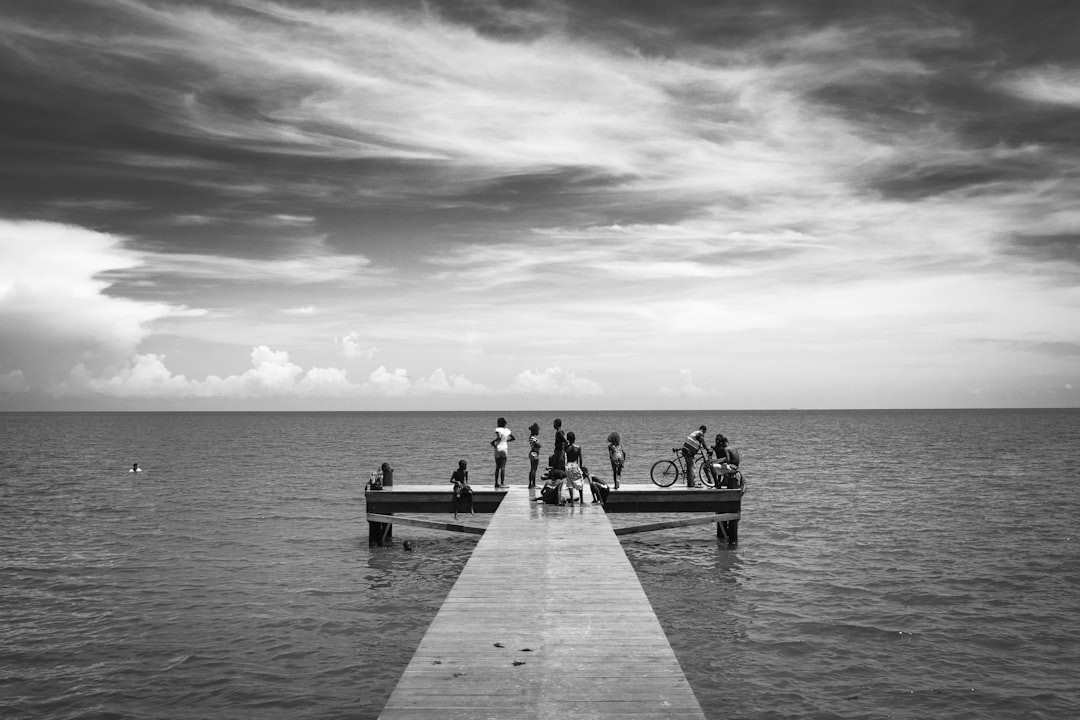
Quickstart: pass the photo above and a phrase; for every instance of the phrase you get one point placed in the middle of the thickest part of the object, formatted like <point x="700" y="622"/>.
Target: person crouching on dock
<point x="597" y="487"/>
<point x="727" y="463"/>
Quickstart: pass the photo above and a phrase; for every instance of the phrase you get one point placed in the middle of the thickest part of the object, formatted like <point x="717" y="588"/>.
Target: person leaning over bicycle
<point x="694" y="443"/>
<point x="727" y="462"/>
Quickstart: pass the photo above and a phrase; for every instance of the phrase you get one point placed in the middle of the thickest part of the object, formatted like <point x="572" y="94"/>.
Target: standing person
<point x="462" y="490"/>
<point x="575" y="479"/>
<point x="534" y="453"/>
<point x="617" y="456"/>
<point x="694" y="443"/>
<point x="501" y="443"/>
<point x="560" y="446"/>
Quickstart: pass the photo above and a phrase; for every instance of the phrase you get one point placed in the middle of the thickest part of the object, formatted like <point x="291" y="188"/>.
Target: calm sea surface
<point x="892" y="564"/>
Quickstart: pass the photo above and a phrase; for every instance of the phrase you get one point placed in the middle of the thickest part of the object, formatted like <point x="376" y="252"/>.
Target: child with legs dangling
<point x="597" y="487"/>
<point x="463" y="493"/>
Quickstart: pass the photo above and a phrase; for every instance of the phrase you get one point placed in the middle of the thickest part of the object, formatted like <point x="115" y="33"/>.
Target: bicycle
<point x="665" y="472"/>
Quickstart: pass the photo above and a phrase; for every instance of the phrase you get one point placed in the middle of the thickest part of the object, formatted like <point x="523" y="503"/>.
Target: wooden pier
<point x="724" y="506"/>
<point x="546" y="620"/>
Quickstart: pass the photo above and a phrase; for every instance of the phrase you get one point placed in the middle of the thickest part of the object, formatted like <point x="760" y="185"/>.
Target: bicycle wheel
<point x="664" y="473"/>
<point x="705" y="474"/>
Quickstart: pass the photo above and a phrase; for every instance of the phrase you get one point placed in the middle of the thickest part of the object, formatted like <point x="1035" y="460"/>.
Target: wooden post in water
<point x="377" y="532"/>
<point x="387" y="481"/>
<point x="728" y="530"/>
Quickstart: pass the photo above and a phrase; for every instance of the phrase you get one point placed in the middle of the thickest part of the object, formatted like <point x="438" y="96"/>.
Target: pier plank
<point x="547" y="620"/>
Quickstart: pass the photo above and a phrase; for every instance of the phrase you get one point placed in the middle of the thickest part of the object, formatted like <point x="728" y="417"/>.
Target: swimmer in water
<point x="134" y="468"/>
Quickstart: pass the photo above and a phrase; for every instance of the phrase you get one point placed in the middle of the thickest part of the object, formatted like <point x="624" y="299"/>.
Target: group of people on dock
<point x="566" y="465"/>
<point x="725" y="457"/>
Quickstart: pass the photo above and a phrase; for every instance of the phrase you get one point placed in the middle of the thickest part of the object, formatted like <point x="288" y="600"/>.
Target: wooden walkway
<point x="547" y="620"/>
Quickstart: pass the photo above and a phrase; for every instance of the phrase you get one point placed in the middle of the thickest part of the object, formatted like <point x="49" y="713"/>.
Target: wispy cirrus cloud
<point x="1050" y="84"/>
<point x="308" y="268"/>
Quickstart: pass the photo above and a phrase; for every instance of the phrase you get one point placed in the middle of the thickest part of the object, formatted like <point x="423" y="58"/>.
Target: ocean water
<point x="892" y="564"/>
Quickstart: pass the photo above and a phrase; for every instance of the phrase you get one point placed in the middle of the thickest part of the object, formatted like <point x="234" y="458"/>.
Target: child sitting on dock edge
<point x="463" y="493"/>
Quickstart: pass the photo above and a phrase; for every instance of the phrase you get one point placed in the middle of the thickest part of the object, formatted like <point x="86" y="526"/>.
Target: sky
<point x="486" y="205"/>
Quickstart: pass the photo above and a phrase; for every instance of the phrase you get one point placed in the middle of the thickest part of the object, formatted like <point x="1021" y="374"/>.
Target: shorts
<point x="574" y="476"/>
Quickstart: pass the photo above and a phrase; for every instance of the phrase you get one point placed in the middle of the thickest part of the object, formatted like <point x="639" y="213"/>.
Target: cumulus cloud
<point x="553" y="381"/>
<point x="54" y="302"/>
<point x="396" y="383"/>
<point x="393" y="384"/>
<point x="352" y="348"/>
<point x="272" y="375"/>
<point x="50" y="278"/>
<point x="687" y="387"/>
<point x="442" y="383"/>
<point x="13" y="381"/>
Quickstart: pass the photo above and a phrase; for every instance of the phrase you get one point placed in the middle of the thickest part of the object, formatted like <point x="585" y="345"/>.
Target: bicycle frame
<point x="666" y="473"/>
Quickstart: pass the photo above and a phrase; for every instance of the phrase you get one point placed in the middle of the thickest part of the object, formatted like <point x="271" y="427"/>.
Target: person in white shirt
<point x="501" y="443"/>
